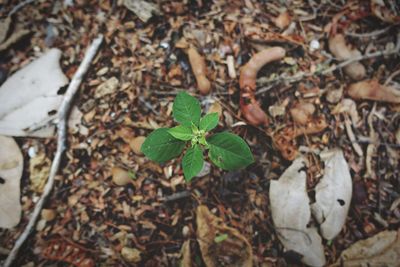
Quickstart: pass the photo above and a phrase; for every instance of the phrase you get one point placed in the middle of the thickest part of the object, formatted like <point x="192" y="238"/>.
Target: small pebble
<point x="32" y="152"/>
<point x="314" y="45"/>
<point x="185" y="231"/>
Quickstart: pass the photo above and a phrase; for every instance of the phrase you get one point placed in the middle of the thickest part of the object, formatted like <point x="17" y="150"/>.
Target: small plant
<point x="226" y="150"/>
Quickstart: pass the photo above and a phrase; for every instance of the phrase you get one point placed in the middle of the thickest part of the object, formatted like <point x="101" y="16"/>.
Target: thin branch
<point x="362" y="57"/>
<point x="19" y="6"/>
<point x="61" y="145"/>
<point x="368" y="34"/>
<point x="301" y="75"/>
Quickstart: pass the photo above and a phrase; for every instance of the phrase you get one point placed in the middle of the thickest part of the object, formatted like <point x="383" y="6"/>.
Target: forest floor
<point x="140" y="68"/>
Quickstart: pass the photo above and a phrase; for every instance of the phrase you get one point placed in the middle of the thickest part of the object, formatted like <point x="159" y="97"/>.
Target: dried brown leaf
<point x="235" y="250"/>
<point x="342" y="51"/>
<point x="373" y="90"/>
<point x="383" y="249"/>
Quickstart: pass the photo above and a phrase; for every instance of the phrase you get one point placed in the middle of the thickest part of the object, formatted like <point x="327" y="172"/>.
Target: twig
<point x="357" y="148"/>
<point x="362" y="57"/>
<point x="390" y="78"/>
<point x="368" y="34"/>
<point x="61" y="144"/>
<point x="19" y="6"/>
<point x="301" y="75"/>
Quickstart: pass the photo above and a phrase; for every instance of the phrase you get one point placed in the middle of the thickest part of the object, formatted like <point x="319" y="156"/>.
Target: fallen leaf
<point x="11" y="167"/>
<point x="30" y="95"/>
<point x="333" y="194"/>
<point x="75" y="120"/>
<point x="342" y="51"/>
<point x="291" y="215"/>
<point x="48" y="214"/>
<point x="131" y="255"/>
<point x="384" y="12"/>
<point x="235" y="250"/>
<point x="302" y="112"/>
<point x="348" y="106"/>
<point x="215" y="107"/>
<point x="106" y="88"/>
<point x="373" y="90"/>
<point x="143" y="9"/>
<point x="39" y="168"/>
<point x="186" y="255"/>
<point x="136" y="144"/>
<point x="120" y="176"/>
<point x="383" y="249"/>
<point x="283" y="20"/>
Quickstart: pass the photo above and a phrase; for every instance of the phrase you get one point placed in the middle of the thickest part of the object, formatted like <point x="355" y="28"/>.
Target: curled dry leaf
<point x="283" y="20"/>
<point x="380" y="9"/>
<point x="48" y="214"/>
<point x="349" y="107"/>
<point x="250" y="108"/>
<point x="333" y="194"/>
<point x="291" y="213"/>
<point x="215" y="107"/>
<point x="199" y="69"/>
<point x="11" y="167"/>
<point x="136" y="144"/>
<point x="186" y="255"/>
<point x="59" y="249"/>
<point x="131" y="255"/>
<point x="285" y="139"/>
<point x="342" y="51"/>
<point x="235" y="250"/>
<point x="383" y="249"/>
<point x="302" y="113"/>
<point x="30" y="95"/>
<point x="107" y="87"/>
<point x="372" y="90"/>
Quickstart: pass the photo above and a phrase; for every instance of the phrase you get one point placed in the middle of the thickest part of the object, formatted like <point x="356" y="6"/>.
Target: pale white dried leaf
<point x="30" y="95"/>
<point x="143" y="9"/>
<point x="11" y="167"/>
<point x="333" y="194"/>
<point x="291" y="213"/>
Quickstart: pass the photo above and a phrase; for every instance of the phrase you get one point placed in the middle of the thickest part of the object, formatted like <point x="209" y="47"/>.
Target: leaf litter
<point x="145" y="63"/>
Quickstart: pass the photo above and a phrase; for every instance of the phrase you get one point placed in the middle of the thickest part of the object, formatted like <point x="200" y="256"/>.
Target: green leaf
<point x="220" y="238"/>
<point x="186" y="109"/>
<point x="209" y="121"/>
<point x="229" y="151"/>
<point x="160" y="146"/>
<point x="192" y="162"/>
<point x="181" y="132"/>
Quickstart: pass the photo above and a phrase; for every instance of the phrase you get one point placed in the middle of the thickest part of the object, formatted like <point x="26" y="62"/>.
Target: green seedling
<point x="226" y="150"/>
<point x="220" y="238"/>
